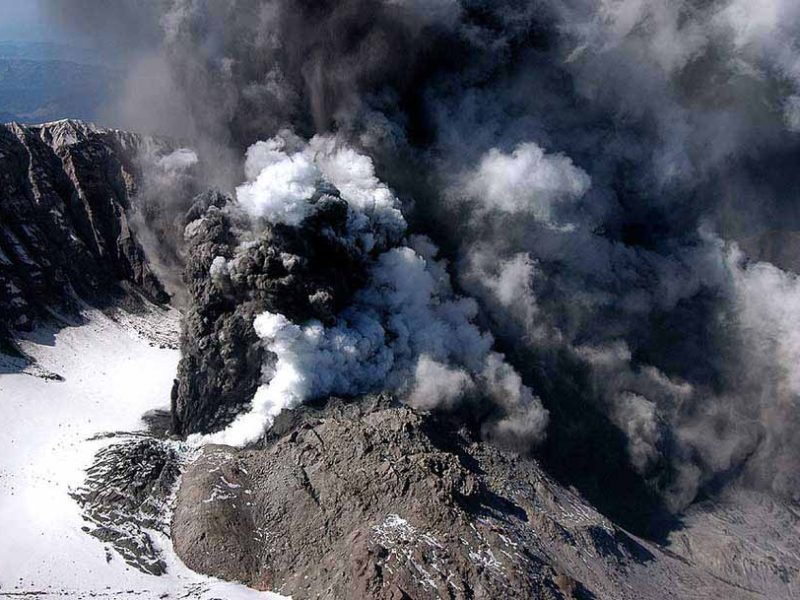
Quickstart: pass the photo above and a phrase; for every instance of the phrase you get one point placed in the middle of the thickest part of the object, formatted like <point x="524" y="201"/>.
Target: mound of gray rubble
<point x="369" y="499"/>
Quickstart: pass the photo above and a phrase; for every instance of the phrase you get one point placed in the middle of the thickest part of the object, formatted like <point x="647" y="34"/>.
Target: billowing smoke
<point x="172" y="178"/>
<point x="284" y="173"/>
<point x="590" y="170"/>
<point x="405" y="331"/>
<point x="526" y="181"/>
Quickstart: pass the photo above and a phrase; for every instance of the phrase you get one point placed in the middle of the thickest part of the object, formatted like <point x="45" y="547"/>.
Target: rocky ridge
<point x="65" y="238"/>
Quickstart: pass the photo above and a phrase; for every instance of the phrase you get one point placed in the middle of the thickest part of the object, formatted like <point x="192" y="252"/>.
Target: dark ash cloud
<point x="590" y="168"/>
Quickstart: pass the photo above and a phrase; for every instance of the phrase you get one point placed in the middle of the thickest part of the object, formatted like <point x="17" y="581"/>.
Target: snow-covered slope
<point x="110" y="372"/>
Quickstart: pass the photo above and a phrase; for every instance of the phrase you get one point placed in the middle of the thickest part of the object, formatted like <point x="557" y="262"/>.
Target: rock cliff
<point x="65" y="192"/>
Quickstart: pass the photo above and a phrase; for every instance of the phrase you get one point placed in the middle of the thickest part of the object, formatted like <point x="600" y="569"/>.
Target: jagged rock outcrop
<point x="125" y="499"/>
<point x="372" y="500"/>
<point x="232" y="275"/>
<point x="65" y="189"/>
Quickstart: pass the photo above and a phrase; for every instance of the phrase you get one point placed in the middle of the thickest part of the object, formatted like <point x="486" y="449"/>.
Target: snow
<point x="112" y="375"/>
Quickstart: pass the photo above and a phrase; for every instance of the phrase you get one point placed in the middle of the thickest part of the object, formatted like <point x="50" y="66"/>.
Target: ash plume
<point x="591" y="170"/>
<point x="405" y="330"/>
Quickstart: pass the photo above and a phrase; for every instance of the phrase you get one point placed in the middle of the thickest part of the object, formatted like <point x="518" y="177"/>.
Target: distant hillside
<point x="51" y="51"/>
<point x="46" y="82"/>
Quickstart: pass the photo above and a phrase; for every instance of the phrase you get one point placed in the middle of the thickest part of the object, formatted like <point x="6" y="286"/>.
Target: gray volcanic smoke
<point x="608" y="179"/>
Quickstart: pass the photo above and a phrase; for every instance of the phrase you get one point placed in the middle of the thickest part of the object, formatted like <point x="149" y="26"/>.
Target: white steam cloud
<point x="284" y="173"/>
<point x="527" y="180"/>
<point x="178" y="160"/>
<point x="406" y="331"/>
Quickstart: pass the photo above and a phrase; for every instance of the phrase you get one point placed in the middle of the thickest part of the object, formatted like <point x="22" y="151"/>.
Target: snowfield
<point x="110" y="372"/>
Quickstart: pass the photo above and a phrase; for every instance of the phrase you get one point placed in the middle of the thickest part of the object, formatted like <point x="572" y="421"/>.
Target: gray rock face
<point x="65" y="188"/>
<point x="304" y="272"/>
<point x="371" y="499"/>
